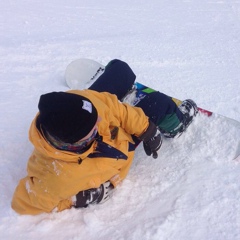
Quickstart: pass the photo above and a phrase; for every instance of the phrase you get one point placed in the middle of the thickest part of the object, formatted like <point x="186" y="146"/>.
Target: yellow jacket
<point x="55" y="176"/>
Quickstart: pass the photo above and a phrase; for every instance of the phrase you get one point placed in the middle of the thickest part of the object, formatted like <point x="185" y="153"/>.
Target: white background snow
<point x="184" y="48"/>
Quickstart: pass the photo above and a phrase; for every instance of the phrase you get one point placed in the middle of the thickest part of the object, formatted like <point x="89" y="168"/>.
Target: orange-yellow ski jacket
<point x="55" y="176"/>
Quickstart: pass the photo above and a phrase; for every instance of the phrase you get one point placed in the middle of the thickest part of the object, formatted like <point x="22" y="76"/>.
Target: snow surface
<point x="184" y="48"/>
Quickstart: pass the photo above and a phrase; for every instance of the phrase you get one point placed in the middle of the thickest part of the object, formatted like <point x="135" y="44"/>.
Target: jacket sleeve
<point x="132" y="119"/>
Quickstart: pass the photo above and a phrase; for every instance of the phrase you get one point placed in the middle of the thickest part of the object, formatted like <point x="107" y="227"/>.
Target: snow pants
<point x="118" y="78"/>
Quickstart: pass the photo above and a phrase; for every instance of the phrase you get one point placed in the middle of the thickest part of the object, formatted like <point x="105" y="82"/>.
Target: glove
<point x="94" y="195"/>
<point x="152" y="140"/>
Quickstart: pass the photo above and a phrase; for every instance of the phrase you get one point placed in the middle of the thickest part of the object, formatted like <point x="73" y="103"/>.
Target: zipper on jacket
<point x="79" y="160"/>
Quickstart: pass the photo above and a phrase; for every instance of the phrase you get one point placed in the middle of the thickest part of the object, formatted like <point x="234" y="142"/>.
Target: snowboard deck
<point x="223" y="122"/>
<point x="82" y="73"/>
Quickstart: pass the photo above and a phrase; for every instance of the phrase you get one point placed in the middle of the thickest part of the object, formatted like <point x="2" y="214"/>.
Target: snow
<point x="184" y="48"/>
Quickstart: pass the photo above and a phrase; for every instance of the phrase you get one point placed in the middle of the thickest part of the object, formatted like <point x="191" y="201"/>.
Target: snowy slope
<point x="184" y="48"/>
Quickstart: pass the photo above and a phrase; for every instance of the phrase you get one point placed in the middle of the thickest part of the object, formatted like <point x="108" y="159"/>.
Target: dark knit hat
<point x="69" y="117"/>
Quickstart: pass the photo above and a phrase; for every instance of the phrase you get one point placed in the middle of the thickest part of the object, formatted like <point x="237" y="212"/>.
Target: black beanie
<point x="69" y="117"/>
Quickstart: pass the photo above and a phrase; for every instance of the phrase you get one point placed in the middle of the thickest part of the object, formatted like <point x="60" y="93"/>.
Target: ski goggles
<point x="73" y="147"/>
<point x="84" y="143"/>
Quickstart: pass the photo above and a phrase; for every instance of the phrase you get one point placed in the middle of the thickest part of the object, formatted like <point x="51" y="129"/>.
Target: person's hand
<point x="94" y="195"/>
<point x="152" y="140"/>
<point x="105" y="192"/>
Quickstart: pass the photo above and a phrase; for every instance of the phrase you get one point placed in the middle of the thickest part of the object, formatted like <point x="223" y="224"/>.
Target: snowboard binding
<point x="189" y="109"/>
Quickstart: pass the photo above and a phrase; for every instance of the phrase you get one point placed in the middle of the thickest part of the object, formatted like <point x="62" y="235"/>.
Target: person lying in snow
<point x="84" y="141"/>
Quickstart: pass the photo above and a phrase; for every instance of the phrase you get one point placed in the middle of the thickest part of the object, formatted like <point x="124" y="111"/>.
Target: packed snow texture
<point x="184" y="48"/>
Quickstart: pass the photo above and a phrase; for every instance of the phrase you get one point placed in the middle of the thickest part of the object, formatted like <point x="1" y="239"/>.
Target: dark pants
<point x="118" y="78"/>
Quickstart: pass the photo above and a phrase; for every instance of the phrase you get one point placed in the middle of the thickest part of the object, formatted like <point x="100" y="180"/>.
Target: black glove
<point x="152" y="140"/>
<point x="94" y="195"/>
